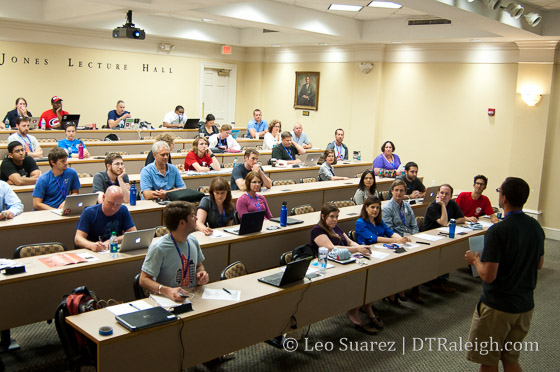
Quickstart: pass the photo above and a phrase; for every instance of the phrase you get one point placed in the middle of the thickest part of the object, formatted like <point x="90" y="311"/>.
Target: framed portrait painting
<point x="307" y="90"/>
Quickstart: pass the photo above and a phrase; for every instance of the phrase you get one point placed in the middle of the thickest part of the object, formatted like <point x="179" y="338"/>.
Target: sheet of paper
<point x="129" y="307"/>
<point x="431" y="238"/>
<point x="220" y="294"/>
<point x="87" y="256"/>
<point x="167" y="302"/>
<point x="378" y="255"/>
<point x="458" y="229"/>
<point x="410" y="245"/>
<point x="4" y="262"/>
<point x="485" y="223"/>
<point x="217" y="234"/>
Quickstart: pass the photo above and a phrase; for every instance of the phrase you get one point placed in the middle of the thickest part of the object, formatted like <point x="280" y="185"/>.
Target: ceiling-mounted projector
<point x="128" y="30"/>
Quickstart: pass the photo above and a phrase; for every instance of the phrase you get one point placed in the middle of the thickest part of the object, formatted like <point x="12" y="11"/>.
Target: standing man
<point x="116" y="117"/>
<point x="257" y="127"/>
<point x="70" y="143"/>
<point x="175" y="119"/>
<point x="10" y="204"/>
<point x="474" y="204"/>
<point x="114" y="175"/>
<point x="287" y="149"/>
<point x="29" y="142"/>
<point x="299" y="137"/>
<point x="18" y="168"/>
<point x="340" y="149"/>
<point x="414" y="187"/>
<point x="97" y="222"/>
<point x="513" y="253"/>
<point x="52" y="187"/>
<point x="175" y="261"/>
<point x="306" y="96"/>
<point x="51" y="119"/>
<point x="159" y="177"/>
<point x="441" y="210"/>
<point x="241" y="171"/>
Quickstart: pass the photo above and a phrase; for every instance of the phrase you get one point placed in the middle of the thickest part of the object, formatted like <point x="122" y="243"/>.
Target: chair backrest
<point x="302" y="209"/>
<point x="233" y="271"/>
<point x="182" y="151"/>
<point x="283" y="182"/>
<point x="358" y="175"/>
<point x="121" y="153"/>
<point x="386" y="195"/>
<point x="84" y="175"/>
<point x="227" y="165"/>
<point x="343" y="203"/>
<point x="46" y="140"/>
<point x="204" y="189"/>
<point x="30" y="250"/>
<point x="352" y="235"/>
<point x="420" y="222"/>
<point x="285" y="258"/>
<point x="161" y="231"/>
<point x="139" y="292"/>
<point x="307" y="180"/>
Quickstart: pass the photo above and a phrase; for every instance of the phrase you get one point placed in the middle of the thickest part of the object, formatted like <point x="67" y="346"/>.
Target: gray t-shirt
<point x="163" y="263"/>
<point x="214" y="218"/>
<point x="101" y="181"/>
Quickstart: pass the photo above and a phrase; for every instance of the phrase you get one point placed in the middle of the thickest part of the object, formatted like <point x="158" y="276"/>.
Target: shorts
<point x="494" y="334"/>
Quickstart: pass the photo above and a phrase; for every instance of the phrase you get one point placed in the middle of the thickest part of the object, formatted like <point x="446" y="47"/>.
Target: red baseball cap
<point x="56" y="99"/>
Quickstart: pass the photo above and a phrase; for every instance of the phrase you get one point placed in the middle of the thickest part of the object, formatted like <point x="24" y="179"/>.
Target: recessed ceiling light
<point x="207" y="20"/>
<point x="396" y="42"/>
<point x="385" y="4"/>
<point x="275" y="45"/>
<point x="346" y="8"/>
<point x="323" y="44"/>
<point x="475" y="40"/>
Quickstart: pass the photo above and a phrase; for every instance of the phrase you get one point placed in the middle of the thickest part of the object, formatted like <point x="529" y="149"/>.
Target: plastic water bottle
<point x="69" y="152"/>
<point x="284" y="214"/>
<point x="235" y="162"/>
<point x="42" y="124"/>
<point x="452" y="225"/>
<point x="7" y="122"/>
<point x="80" y="151"/>
<point x="132" y="193"/>
<point x="322" y="260"/>
<point x="114" y="245"/>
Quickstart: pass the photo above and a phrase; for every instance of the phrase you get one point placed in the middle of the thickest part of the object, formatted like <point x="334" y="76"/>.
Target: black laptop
<point x="191" y="124"/>
<point x="290" y="221"/>
<point x="250" y="222"/>
<point x="294" y="272"/>
<point x="145" y="318"/>
<point x="69" y="120"/>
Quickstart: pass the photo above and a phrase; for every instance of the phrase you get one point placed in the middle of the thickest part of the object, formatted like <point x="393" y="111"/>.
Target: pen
<point x="137" y="308"/>
<point x="228" y="292"/>
<point x="422" y="243"/>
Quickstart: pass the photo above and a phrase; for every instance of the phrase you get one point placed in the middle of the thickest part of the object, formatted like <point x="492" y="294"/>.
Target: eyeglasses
<point x="118" y="164"/>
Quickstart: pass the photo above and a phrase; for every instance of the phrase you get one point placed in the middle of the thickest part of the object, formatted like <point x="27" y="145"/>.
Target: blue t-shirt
<point x="70" y="146"/>
<point x="367" y="233"/>
<point x="152" y="179"/>
<point x="54" y="190"/>
<point x="112" y="115"/>
<point x="252" y="124"/>
<point x="98" y="226"/>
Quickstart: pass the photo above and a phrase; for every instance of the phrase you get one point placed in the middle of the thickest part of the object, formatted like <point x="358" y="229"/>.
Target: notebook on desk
<point x="139" y="239"/>
<point x="291" y="221"/>
<point x="250" y="222"/>
<point x="147" y="318"/>
<point x="74" y="205"/>
<point x="294" y="272"/>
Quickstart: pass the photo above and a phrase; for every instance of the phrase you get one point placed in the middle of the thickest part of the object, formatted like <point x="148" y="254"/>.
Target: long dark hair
<point x="220" y="184"/>
<point x="327" y="209"/>
<point x="362" y="186"/>
<point x="367" y="203"/>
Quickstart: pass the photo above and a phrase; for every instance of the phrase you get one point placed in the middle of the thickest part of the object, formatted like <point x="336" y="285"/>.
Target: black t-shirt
<point x="412" y="186"/>
<point x="238" y="172"/>
<point x="433" y="213"/>
<point x="279" y="152"/>
<point x="8" y="168"/>
<point x="517" y="244"/>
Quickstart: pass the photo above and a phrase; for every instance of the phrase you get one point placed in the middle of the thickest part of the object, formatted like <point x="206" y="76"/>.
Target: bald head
<point x="112" y="200"/>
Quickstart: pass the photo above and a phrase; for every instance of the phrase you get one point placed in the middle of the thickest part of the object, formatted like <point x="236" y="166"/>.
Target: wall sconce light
<point x="531" y="95"/>
<point x="166" y="47"/>
<point x="533" y="19"/>
<point x="514" y="10"/>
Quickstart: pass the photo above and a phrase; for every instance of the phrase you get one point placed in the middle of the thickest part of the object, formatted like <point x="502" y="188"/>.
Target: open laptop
<point x="75" y="204"/>
<point x="143" y="319"/>
<point x="431" y="194"/>
<point x="132" y="123"/>
<point x="310" y="159"/>
<point x="291" y="221"/>
<point x="139" y="239"/>
<point x="34" y="122"/>
<point x="294" y="272"/>
<point x="69" y="120"/>
<point x="191" y="124"/>
<point x="251" y="222"/>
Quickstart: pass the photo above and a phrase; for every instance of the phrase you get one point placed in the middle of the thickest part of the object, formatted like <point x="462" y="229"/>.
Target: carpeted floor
<point x="334" y="345"/>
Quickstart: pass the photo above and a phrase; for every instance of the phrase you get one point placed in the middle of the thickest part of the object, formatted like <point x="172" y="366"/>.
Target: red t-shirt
<point x="474" y="208"/>
<point x="192" y="158"/>
<point x="50" y="118"/>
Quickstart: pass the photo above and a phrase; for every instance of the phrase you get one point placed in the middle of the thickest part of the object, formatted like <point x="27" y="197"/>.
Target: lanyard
<point x="223" y="142"/>
<point x="339" y="151"/>
<point x="222" y="217"/>
<point x="290" y="155"/>
<point x="62" y="187"/>
<point x="180" y="117"/>
<point x="184" y="272"/>
<point x="28" y="144"/>
<point x="330" y="169"/>
<point x="401" y="214"/>
<point x="257" y="204"/>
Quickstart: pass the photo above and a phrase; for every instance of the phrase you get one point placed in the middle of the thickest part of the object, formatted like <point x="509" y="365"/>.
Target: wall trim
<point x="552" y="233"/>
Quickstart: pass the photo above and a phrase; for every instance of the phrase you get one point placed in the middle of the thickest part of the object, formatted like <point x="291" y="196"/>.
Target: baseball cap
<point x="56" y="99"/>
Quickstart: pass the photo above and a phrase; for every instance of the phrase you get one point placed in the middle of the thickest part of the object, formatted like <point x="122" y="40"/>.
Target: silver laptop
<point x="310" y="159"/>
<point x="34" y="122"/>
<point x="431" y="194"/>
<point x="75" y="204"/>
<point x="134" y="240"/>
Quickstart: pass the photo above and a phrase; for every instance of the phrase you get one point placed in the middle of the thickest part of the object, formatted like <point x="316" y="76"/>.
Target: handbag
<point x="189" y="195"/>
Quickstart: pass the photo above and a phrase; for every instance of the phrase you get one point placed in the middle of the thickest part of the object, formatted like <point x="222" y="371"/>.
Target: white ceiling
<point x="298" y="22"/>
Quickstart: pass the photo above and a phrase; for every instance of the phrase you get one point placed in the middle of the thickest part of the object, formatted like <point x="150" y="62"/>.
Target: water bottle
<point x="235" y="162"/>
<point x="322" y="260"/>
<point x="80" y="151"/>
<point x="284" y="214"/>
<point x="7" y="122"/>
<point x="42" y="124"/>
<point x="359" y="156"/>
<point x="452" y="228"/>
<point x="114" y="245"/>
<point x="70" y="152"/>
<point x="132" y="193"/>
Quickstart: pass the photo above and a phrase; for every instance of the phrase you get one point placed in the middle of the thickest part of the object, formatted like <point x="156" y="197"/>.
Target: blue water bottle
<point x="452" y="225"/>
<point x="114" y="245"/>
<point x="132" y="193"/>
<point x="284" y="214"/>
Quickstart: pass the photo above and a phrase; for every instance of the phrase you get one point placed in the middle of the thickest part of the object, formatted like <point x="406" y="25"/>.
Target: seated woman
<point x="200" y="158"/>
<point x="371" y="229"/>
<point x="326" y="172"/>
<point x="327" y="234"/>
<point x="272" y="137"/>
<point x="387" y="163"/>
<point x="70" y="143"/>
<point x="251" y="201"/>
<point x="366" y="188"/>
<point x="209" y="128"/>
<point x="223" y="140"/>
<point x="217" y="209"/>
<point x="19" y="112"/>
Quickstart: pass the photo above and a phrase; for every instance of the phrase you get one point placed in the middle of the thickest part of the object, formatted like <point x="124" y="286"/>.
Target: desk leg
<point x="7" y="343"/>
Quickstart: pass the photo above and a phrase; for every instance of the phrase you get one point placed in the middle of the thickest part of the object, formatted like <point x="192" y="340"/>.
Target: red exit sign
<point x="226" y="49"/>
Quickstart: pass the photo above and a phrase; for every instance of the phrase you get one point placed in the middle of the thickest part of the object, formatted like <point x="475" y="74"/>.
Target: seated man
<point x="98" y="222"/>
<point x="70" y="143"/>
<point x="300" y="137"/>
<point x="10" y="204"/>
<point x="18" y="168"/>
<point x="159" y="177"/>
<point x="241" y="171"/>
<point x="223" y="140"/>
<point x="29" y="142"/>
<point x="51" y="119"/>
<point x="397" y="214"/>
<point x="175" y="261"/>
<point x="287" y="150"/>
<point x="443" y="209"/>
<point x="175" y="119"/>
<point x="474" y="204"/>
<point x="340" y="149"/>
<point x="257" y="127"/>
<point x="114" y="174"/>
<point x="414" y="187"/>
<point x="117" y="117"/>
<point x="52" y="187"/>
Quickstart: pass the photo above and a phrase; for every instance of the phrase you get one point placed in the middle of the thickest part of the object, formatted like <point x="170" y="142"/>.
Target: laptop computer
<point x="310" y="159"/>
<point x="431" y="194"/>
<point x="75" y="204"/>
<point x="294" y="272"/>
<point x="146" y="318"/>
<point x="291" y="221"/>
<point x="191" y="124"/>
<point x="133" y="123"/>
<point x="251" y="222"/>
<point x="69" y="120"/>
<point x="134" y="240"/>
<point x="34" y="122"/>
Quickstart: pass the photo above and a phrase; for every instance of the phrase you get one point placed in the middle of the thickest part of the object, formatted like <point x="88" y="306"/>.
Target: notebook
<point x="191" y="124"/>
<point x="294" y="272"/>
<point x="75" y="204"/>
<point x="251" y="222"/>
<point x="69" y="120"/>
<point x="134" y="240"/>
<point x="145" y="318"/>
<point x="291" y="221"/>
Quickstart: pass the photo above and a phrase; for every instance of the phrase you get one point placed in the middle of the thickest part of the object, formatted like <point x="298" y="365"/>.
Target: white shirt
<point x="231" y="142"/>
<point x="173" y="118"/>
